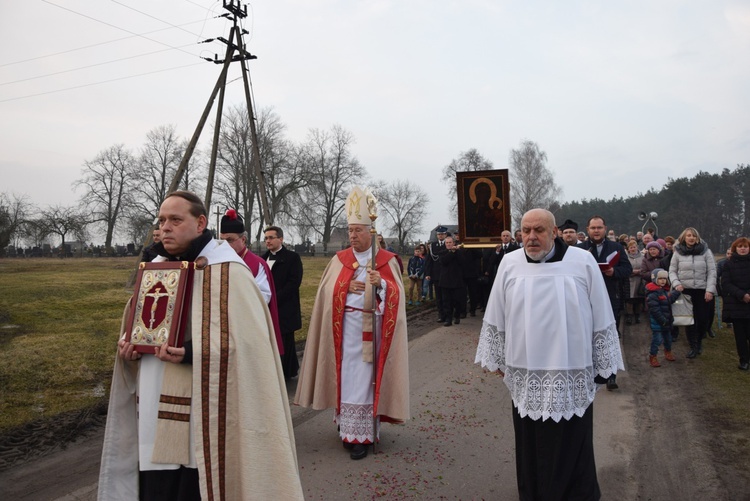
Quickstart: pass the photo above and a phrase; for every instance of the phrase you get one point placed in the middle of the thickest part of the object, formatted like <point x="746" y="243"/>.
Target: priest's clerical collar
<point x="546" y="258"/>
<point x="196" y="246"/>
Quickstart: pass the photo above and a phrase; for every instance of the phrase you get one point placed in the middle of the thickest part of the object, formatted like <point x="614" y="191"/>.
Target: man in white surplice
<point x="549" y="329"/>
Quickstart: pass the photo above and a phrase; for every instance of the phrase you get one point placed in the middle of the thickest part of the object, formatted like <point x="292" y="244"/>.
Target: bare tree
<point x="532" y="182"/>
<point x="13" y="212"/>
<point x="234" y="184"/>
<point x="333" y="170"/>
<point x="64" y="221"/>
<point x="283" y="164"/>
<point x="136" y="228"/>
<point x="107" y="187"/>
<point x="470" y="160"/>
<point x="153" y="172"/>
<point x="36" y="232"/>
<point x="404" y="203"/>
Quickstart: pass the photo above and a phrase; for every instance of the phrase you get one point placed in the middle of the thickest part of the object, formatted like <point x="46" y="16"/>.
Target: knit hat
<point x="658" y="273"/>
<point x="231" y="222"/>
<point x="653" y="244"/>
<point x="661" y="242"/>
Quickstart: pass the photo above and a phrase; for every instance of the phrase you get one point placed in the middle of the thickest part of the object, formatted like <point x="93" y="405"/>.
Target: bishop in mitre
<point x="342" y="346"/>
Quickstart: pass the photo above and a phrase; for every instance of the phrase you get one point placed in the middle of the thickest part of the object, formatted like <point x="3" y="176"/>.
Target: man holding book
<point x="614" y="265"/>
<point x="208" y="419"/>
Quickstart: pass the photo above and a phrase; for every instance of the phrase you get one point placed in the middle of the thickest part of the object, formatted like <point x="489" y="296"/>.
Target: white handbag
<point x="682" y="311"/>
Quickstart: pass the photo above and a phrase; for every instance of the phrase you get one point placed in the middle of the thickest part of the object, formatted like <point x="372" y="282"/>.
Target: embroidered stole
<point x="388" y="325"/>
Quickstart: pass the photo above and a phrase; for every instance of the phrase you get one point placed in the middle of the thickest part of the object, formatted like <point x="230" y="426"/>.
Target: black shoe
<point x="359" y="451"/>
<point x="629" y="320"/>
<point x="711" y="333"/>
<point x="473" y="313"/>
<point x="692" y="353"/>
<point x="700" y="349"/>
<point x="440" y="320"/>
<point x="463" y="315"/>
<point x="447" y="324"/>
<point x="457" y="320"/>
<point x="637" y="319"/>
<point x="348" y="445"/>
<point x="612" y="383"/>
<point x="744" y="367"/>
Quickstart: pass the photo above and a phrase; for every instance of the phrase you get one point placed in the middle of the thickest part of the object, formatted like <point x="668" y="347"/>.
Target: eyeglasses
<point x="270" y="238"/>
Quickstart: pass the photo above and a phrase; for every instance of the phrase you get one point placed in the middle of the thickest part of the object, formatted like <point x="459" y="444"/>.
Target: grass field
<point x="59" y="321"/>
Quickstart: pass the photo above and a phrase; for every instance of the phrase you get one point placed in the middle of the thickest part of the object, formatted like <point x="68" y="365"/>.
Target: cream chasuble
<point x="239" y="434"/>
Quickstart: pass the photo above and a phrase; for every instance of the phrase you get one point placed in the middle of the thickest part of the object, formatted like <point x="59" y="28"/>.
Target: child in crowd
<point x="660" y="299"/>
<point x="415" y="269"/>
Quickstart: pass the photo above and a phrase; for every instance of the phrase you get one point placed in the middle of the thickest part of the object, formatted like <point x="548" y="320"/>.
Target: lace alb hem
<point x="355" y="423"/>
<point x="491" y="348"/>
<point x="607" y="357"/>
<point x="607" y="354"/>
<point x="555" y="394"/>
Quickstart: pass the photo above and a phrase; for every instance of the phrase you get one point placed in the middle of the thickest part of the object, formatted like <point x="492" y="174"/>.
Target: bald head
<point x="538" y="230"/>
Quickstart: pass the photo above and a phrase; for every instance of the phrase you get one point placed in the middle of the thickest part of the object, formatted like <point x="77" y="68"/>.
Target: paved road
<point x="458" y="444"/>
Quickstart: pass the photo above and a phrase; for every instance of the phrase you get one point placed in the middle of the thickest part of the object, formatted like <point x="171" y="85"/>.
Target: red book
<point x="611" y="261"/>
<point x="161" y="303"/>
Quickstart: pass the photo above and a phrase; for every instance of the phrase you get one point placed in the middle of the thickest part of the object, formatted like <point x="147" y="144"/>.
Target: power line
<point x="99" y="83"/>
<point x="154" y="17"/>
<point x="114" y="26"/>
<point x="209" y="10"/>
<point x="88" y="66"/>
<point x="94" y="45"/>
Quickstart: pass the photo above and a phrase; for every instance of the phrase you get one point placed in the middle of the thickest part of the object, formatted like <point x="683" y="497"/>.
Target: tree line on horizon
<point x="306" y="183"/>
<point x="714" y="204"/>
<point x="122" y="189"/>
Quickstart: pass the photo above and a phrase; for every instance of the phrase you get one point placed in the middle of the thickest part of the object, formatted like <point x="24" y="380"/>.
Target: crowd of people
<point x="686" y="262"/>
<point x="210" y="417"/>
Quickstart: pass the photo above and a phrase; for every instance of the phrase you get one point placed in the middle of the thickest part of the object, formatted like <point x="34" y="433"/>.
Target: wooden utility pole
<point x="235" y="52"/>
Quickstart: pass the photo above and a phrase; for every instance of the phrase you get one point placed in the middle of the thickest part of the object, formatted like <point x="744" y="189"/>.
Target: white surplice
<point x="549" y="327"/>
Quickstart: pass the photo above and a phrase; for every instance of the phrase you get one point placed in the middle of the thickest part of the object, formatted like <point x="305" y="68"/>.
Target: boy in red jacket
<point x="659" y="300"/>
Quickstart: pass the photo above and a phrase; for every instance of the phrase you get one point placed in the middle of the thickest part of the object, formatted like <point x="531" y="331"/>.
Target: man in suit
<point x="432" y="268"/>
<point x="452" y="282"/>
<point x="602" y="248"/>
<point x="491" y="260"/>
<point x="286" y="268"/>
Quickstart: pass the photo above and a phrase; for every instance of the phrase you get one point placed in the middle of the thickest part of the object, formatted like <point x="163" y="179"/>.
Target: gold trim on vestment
<point x="205" y="376"/>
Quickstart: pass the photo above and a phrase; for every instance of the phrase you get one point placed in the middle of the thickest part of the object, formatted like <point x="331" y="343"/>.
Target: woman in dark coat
<point x="735" y="286"/>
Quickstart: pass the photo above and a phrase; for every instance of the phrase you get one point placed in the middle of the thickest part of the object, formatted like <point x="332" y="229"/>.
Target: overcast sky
<point x="620" y="95"/>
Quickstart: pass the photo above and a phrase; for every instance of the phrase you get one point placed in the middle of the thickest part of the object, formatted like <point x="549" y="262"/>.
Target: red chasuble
<point x="387" y="326"/>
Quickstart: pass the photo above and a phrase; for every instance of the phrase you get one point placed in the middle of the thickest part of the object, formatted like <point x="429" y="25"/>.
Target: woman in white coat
<point x="693" y="272"/>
